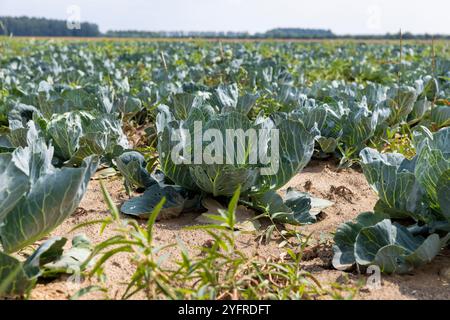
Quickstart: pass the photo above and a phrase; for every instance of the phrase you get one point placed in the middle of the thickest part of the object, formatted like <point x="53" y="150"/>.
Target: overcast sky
<point x="341" y="16"/>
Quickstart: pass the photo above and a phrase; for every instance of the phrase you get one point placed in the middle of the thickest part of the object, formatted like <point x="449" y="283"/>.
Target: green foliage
<point x="49" y="260"/>
<point x="411" y="192"/>
<point x="65" y="107"/>
<point x="36" y="197"/>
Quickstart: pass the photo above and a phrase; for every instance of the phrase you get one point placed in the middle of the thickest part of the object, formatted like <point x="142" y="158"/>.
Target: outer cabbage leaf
<point x="440" y="116"/>
<point x="443" y="194"/>
<point x="142" y="206"/>
<point x="327" y="145"/>
<point x="393" y="248"/>
<point x="420" y="109"/>
<point x="296" y="146"/>
<point x="49" y="259"/>
<point x="428" y="88"/>
<point x="13" y="279"/>
<point x="14" y="184"/>
<point x="392" y="177"/>
<point x="47" y="252"/>
<point x="65" y="131"/>
<point x="166" y="126"/>
<point x="226" y="96"/>
<point x="296" y="208"/>
<point x="132" y="166"/>
<point x="433" y="159"/>
<point x="401" y="102"/>
<point x="68" y="261"/>
<point x="51" y="199"/>
<point x="183" y="103"/>
<point x="345" y="237"/>
<point x="102" y="136"/>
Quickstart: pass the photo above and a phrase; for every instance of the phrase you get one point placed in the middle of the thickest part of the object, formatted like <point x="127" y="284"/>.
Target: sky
<point x="341" y="16"/>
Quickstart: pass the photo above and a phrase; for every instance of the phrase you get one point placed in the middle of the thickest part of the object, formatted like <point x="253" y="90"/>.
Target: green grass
<point x="218" y="270"/>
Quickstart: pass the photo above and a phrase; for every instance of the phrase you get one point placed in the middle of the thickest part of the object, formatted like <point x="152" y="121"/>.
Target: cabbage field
<point x="333" y="183"/>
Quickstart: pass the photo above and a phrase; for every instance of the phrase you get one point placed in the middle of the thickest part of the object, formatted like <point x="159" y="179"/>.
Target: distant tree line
<point x="176" y="34"/>
<point x="396" y="36"/>
<point x="279" y="33"/>
<point x="26" y="26"/>
<point x="275" y="33"/>
<point x="296" y="33"/>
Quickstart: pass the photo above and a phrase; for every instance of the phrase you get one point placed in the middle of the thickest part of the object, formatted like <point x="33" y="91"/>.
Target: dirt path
<point x="348" y="189"/>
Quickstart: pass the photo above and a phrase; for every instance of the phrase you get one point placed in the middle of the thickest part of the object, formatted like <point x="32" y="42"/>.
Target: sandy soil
<point x="347" y="188"/>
